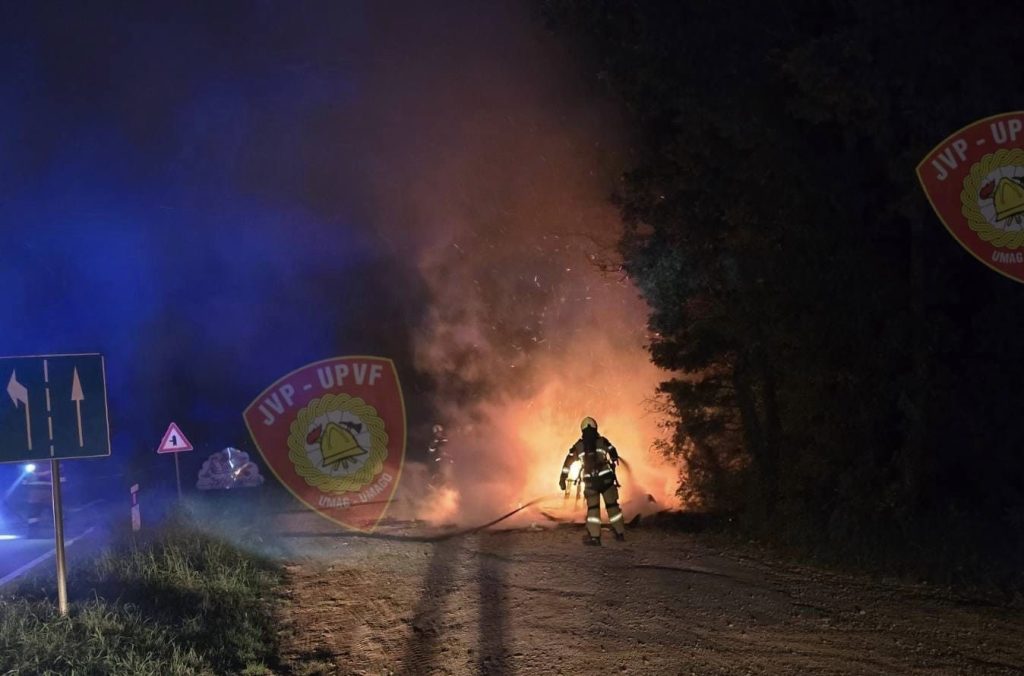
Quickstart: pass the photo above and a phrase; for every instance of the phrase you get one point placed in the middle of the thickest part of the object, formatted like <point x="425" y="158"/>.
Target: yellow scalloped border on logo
<point x="969" y="199"/>
<point x="378" y="443"/>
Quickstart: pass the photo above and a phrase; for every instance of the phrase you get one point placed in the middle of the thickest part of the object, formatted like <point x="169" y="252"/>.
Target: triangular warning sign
<point x="174" y="441"/>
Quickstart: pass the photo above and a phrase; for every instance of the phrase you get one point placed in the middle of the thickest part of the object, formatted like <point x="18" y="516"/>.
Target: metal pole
<point x="58" y="533"/>
<point x="177" y="475"/>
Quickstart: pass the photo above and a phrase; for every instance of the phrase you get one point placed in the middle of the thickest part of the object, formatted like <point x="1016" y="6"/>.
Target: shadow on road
<point x="427" y="618"/>
<point x="493" y="624"/>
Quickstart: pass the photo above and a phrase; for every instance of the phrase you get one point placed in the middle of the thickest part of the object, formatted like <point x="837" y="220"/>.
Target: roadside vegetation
<point x="840" y="373"/>
<point x="174" y="602"/>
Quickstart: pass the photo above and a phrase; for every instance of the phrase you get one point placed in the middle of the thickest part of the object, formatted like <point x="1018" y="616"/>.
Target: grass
<point x="176" y="602"/>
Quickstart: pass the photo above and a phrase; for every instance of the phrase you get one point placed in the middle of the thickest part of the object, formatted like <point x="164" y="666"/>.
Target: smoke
<point x="128" y="224"/>
<point x="216" y="195"/>
<point x="498" y="167"/>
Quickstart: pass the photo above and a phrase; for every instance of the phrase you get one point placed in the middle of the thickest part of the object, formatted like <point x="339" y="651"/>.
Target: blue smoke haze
<point x="153" y="207"/>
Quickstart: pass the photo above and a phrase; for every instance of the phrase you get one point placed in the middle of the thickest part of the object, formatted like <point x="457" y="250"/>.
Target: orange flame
<point x="495" y="179"/>
<point x="509" y="449"/>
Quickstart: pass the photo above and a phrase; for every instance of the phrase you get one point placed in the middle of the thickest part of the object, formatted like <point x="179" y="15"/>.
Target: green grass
<point x="177" y="602"/>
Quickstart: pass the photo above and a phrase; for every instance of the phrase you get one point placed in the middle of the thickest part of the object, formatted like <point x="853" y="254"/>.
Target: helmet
<point x="588" y="422"/>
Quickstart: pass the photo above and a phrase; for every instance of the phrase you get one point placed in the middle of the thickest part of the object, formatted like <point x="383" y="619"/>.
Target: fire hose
<point x="440" y="537"/>
<point x="474" y="529"/>
<point x="531" y="503"/>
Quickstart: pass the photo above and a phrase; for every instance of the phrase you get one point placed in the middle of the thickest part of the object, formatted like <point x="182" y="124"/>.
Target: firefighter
<point x="599" y="460"/>
<point x="441" y="461"/>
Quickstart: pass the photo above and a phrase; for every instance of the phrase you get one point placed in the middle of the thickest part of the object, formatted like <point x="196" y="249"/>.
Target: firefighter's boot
<point x="591" y="541"/>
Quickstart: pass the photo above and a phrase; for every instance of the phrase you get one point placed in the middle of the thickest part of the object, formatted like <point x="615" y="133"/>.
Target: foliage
<point x="180" y="602"/>
<point x="842" y="372"/>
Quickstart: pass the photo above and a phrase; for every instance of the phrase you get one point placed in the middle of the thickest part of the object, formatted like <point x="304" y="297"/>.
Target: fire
<point x="442" y="507"/>
<point x="509" y="449"/>
<point x="526" y="334"/>
<point x="547" y="424"/>
<point x="575" y="469"/>
<point x="499" y="194"/>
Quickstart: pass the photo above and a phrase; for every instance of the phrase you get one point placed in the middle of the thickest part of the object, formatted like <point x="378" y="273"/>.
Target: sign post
<point x="58" y="534"/>
<point x="175" y="442"/>
<point x="71" y="390"/>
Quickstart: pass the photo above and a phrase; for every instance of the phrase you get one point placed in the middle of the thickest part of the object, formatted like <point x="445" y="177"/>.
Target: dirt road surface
<point x="664" y="602"/>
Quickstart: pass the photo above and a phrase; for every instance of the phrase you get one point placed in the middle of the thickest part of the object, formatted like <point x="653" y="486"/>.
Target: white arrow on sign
<point x="19" y="392"/>
<point x="78" y="398"/>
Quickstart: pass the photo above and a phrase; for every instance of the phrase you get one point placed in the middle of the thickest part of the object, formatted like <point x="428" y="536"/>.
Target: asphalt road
<point x="22" y="550"/>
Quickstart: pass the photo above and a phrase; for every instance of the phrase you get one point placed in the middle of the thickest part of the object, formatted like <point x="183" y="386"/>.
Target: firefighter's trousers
<point x="611" y="503"/>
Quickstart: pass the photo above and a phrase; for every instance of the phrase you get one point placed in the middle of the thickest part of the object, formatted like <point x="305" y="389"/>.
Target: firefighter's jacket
<point x="598" y="469"/>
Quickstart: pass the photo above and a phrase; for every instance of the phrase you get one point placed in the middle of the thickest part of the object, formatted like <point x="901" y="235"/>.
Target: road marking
<point x="49" y="419"/>
<point x="39" y="559"/>
<point x="78" y="397"/>
<point x="19" y="393"/>
<point x="86" y="506"/>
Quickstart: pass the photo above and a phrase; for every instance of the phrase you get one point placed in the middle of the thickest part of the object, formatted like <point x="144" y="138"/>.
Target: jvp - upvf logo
<point x="333" y="432"/>
<point x="975" y="182"/>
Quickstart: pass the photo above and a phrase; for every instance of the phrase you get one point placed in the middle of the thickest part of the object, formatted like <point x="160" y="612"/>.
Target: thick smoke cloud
<point x="498" y="169"/>
<point x="217" y="194"/>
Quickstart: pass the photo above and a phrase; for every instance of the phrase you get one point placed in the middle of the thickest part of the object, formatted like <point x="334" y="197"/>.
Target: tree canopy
<point x="842" y="372"/>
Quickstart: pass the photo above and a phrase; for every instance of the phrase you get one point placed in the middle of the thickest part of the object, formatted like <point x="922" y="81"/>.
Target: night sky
<point x="157" y="206"/>
<point x="215" y="194"/>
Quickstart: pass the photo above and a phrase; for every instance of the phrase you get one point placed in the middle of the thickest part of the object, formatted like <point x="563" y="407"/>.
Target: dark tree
<point x="842" y="372"/>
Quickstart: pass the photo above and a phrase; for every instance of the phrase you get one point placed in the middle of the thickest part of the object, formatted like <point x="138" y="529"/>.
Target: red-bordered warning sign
<point x="174" y="441"/>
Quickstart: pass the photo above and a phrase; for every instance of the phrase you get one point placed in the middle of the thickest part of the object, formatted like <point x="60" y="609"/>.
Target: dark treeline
<point x="844" y="375"/>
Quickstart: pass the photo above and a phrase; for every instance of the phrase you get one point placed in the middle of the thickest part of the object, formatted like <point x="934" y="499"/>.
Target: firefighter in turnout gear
<point x="599" y="460"/>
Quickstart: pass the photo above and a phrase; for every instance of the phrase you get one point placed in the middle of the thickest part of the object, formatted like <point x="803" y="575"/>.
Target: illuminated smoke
<point x="229" y="195"/>
<point x="499" y="167"/>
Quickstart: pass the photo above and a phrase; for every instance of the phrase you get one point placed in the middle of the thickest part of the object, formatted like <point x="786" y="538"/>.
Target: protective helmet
<point x="588" y="422"/>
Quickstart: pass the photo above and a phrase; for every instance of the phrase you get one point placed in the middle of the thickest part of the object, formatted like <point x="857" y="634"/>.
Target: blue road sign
<point x="53" y="407"/>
